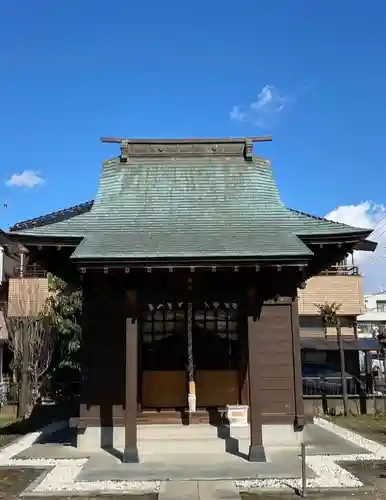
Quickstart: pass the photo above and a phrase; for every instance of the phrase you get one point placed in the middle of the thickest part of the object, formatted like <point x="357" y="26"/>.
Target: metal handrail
<point x="332" y="386"/>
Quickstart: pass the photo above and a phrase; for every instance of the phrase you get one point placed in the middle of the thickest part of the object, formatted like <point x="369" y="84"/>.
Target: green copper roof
<point x="162" y="244"/>
<point x="189" y="207"/>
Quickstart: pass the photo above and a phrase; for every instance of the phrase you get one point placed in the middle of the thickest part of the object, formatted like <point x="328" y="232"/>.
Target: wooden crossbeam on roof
<point x="211" y="140"/>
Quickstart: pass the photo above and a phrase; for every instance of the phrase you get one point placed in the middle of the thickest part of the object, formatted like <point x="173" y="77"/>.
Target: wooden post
<point x="22" y="261"/>
<point x="1" y="360"/>
<point x="192" y="384"/>
<point x="296" y="352"/>
<point x="256" y="449"/>
<point x="130" y="453"/>
<point x="304" y="469"/>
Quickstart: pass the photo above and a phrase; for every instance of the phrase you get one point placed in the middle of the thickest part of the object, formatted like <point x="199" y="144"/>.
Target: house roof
<point x="187" y="206"/>
<point x="9" y="256"/>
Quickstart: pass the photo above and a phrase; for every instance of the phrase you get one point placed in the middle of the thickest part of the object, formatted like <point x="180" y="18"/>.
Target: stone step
<point x="179" y="490"/>
<point x="189" y="446"/>
<point x="198" y="490"/>
<point x="203" y="431"/>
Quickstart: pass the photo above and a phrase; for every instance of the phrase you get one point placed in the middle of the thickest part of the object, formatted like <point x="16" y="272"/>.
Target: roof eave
<point x="193" y="261"/>
<point x="54" y="217"/>
<point x="43" y="240"/>
<point x="355" y="236"/>
<point x="366" y="246"/>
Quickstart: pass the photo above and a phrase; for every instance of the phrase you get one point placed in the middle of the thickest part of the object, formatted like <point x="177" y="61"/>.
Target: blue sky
<point x="311" y="73"/>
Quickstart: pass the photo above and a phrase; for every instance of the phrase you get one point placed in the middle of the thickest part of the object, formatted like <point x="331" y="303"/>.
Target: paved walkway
<point x="198" y="490"/>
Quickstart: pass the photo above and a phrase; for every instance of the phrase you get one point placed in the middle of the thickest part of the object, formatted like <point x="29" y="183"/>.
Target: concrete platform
<point x="194" y="467"/>
<point x="200" y="438"/>
<point x="216" y="456"/>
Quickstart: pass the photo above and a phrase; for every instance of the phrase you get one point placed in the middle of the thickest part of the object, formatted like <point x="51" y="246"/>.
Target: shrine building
<point x="190" y="265"/>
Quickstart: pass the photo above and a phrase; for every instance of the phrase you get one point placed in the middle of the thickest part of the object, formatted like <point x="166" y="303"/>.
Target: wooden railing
<point x="31" y="271"/>
<point x="341" y="270"/>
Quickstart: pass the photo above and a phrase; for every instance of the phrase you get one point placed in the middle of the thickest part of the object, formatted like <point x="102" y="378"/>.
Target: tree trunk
<point x="24" y="385"/>
<point x="342" y="367"/>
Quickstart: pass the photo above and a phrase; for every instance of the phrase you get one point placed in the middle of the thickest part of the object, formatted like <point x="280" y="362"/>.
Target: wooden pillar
<point x="192" y="384"/>
<point x="1" y="361"/>
<point x="130" y="453"/>
<point x="296" y="352"/>
<point x="256" y="449"/>
<point x="88" y="287"/>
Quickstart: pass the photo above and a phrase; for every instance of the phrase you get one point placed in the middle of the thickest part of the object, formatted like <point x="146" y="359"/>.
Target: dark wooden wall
<point x="103" y="348"/>
<point x="279" y="366"/>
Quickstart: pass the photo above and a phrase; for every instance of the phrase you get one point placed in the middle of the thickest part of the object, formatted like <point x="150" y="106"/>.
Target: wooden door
<point x="216" y="353"/>
<point x="163" y="358"/>
<point x="164" y="389"/>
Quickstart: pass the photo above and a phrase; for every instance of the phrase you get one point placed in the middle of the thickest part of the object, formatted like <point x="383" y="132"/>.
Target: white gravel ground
<point x="62" y="476"/>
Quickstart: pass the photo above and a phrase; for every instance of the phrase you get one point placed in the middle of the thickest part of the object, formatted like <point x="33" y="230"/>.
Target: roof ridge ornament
<point x="248" y="150"/>
<point x="124" y="156"/>
<point x="195" y="147"/>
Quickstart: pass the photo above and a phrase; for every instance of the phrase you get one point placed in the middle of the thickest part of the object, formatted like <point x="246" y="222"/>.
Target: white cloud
<point x="373" y="216"/>
<point x="28" y="179"/>
<point x="265" y="111"/>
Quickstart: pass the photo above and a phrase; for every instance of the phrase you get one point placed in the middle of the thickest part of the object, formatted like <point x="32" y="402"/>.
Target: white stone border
<point x="61" y="479"/>
<point x="60" y="476"/>
<point x="328" y="473"/>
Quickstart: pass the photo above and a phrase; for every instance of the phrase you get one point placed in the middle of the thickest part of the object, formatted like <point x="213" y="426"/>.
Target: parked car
<point x="324" y="379"/>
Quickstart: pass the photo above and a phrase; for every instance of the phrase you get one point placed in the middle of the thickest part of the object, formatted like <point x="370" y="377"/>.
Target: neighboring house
<point x="24" y="286"/>
<point x="3" y="340"/>
<point x="7" y="262"/>
<point x="373" y="321"/>
<point x="342" y="284"/>
<point x="23" y="291"/>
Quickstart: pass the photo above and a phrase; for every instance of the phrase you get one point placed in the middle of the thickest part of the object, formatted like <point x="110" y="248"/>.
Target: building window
<point x="216" y="339"/>
<point x="163" y="340"/>
<point x="311" y="326"/>
<point x="381" y="305"/>
<point x="314" y="357"/>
